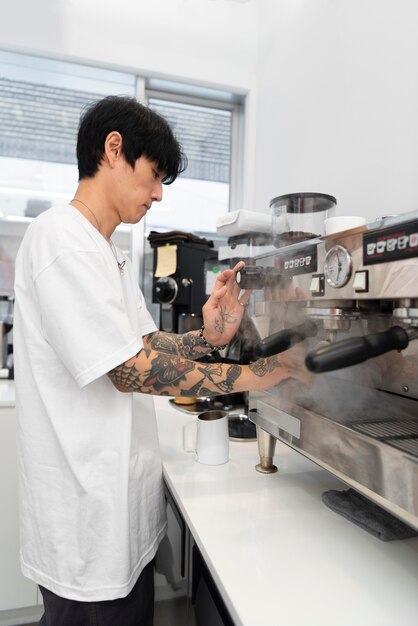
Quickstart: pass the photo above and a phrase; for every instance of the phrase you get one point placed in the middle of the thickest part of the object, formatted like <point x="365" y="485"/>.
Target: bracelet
<point x="207" y="344"/>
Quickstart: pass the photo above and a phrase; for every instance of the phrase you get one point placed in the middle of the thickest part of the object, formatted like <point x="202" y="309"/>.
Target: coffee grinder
<point x="180" y="286"/>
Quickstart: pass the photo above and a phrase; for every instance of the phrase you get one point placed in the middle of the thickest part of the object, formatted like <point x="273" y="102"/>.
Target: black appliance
<point x="183" y="292"/>
<point x="6" y="342"/>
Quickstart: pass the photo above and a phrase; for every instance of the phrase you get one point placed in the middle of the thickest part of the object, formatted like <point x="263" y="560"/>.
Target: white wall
<point x="338" y="103"/>
<point x="211" y="42"/>
<point x="335" y="81"/>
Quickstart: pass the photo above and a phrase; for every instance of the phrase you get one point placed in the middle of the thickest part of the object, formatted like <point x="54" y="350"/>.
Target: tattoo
<point x="167" y="371"/>
<point x="223" y="382"/>
<point x="164" y="373"/>
<point x="226" y="318"/>
<point x="261" y="367"/>
<point x="232" y="374"/>
<point x="125" y="376"/>
<point x="189" y="345"/>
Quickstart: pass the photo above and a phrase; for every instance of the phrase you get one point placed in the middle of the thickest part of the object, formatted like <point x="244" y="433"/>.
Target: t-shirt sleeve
<point x="147" y="324"/>
<point x="83" y="315"/>
<point x="145" y="319"/>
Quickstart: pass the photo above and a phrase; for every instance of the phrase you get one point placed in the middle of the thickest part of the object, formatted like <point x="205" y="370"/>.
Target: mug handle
<point x="189" y="437"/>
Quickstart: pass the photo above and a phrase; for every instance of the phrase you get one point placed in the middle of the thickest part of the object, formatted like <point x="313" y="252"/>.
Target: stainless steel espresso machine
<point x="352" y="298"/>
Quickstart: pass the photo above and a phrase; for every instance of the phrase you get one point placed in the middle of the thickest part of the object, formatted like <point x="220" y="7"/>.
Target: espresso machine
<point x="352" y="299"/>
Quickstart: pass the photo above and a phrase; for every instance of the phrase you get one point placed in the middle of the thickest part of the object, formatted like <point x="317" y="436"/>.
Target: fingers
<point x="216" y="295"/>
<point x="235" y="269"/>
<point x="228" y="278"/>
<point x="219" y="293"/>
<point x="238" y="266"/>
<point x="231" y="280"/>
<point x="224" y="278"/>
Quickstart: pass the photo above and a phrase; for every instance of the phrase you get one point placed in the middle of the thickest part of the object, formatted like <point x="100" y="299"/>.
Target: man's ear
<point x="113" y="148"/>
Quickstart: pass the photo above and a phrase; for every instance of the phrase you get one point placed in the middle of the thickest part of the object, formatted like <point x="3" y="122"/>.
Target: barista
<point x="92" y="505"/>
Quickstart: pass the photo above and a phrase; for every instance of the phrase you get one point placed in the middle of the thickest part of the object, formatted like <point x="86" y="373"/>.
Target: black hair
<point x="144" y="132"/>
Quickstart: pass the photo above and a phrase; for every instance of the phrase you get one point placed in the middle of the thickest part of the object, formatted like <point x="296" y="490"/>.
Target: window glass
<point x="201" y="194"/>
<point x="40" y="105"/>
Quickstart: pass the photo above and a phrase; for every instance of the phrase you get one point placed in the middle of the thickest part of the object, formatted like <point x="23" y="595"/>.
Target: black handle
<point x="284" y="339"/>
<point x="356" y="350"/>
<point x="251" y="277"/>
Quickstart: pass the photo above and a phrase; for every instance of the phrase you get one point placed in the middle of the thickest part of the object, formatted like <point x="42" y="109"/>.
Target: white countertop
<point x="277" y="554"/>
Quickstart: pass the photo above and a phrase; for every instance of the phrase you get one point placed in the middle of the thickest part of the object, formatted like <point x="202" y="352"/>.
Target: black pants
<point x="136" y="609"/>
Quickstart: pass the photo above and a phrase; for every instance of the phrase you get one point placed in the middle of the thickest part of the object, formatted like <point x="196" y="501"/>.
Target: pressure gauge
<point x="338" y="266"/>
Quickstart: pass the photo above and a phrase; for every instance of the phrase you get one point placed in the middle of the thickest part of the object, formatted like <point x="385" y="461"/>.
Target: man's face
<point x="139" y="188"/>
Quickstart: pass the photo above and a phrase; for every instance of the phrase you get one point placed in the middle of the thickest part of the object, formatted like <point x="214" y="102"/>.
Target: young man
<point x="92" y="507"/>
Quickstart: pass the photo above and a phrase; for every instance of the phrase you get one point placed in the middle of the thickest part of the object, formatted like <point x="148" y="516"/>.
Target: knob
<point x="165" y="290"/>
<point x="251" y="277"/>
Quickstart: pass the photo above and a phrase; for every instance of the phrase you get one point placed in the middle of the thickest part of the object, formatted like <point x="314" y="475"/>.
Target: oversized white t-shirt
<point x="91" y="501"/>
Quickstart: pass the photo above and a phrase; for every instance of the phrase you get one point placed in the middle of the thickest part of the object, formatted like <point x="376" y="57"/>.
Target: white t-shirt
<point x="91" y="500"/>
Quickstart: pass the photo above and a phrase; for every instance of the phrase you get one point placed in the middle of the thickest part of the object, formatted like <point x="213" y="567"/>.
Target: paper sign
<point x="166" y="261"/>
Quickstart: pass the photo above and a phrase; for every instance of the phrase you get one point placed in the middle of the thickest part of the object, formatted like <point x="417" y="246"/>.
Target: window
<point x="202" y="193"/>
<point x="40" y="105"/>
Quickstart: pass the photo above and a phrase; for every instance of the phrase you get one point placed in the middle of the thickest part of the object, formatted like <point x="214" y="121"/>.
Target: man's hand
<point x="223" y="311"/>
<point x="294" y="361"/>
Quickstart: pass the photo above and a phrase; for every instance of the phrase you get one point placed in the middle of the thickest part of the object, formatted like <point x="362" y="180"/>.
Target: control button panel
<point x="361" y="281"/>
<point x="317" y="287"/>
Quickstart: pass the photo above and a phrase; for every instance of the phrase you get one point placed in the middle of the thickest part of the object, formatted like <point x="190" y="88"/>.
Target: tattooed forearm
<point x="189" y="345"/>
<point x="215" y="372"/>
<point x="164" y="374"/>
<point x="160" y="373"/>
<point x="163" y="371"/>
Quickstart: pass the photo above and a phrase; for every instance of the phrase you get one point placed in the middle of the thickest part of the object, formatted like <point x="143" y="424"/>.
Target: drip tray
<point x="409" y="445"/>
<point x="402" y="434"/>
<point x="241" y="428"/>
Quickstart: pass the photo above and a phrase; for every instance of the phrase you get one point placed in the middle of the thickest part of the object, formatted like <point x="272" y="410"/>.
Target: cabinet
<point x="209" y="607"/>
<point x="16" y="591"/>
<point x="203" y="604"/>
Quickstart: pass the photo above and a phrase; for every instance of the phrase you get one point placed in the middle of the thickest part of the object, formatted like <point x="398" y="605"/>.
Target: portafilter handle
<point x="284" y="339"/>
<point x="356" y="350"/>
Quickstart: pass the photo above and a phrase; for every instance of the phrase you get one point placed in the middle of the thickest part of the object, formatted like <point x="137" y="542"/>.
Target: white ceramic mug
<point x="343" y="222"/>
<point x="208" y="437"/>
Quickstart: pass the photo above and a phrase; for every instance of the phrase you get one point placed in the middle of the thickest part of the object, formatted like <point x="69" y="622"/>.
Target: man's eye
<point x="156" y="174"/>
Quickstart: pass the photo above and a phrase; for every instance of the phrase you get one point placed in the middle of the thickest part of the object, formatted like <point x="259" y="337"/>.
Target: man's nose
<point x="157" y="192"/>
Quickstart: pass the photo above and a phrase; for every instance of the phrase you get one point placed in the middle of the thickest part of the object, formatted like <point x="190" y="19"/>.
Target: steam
<point x="346" y="395"/>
